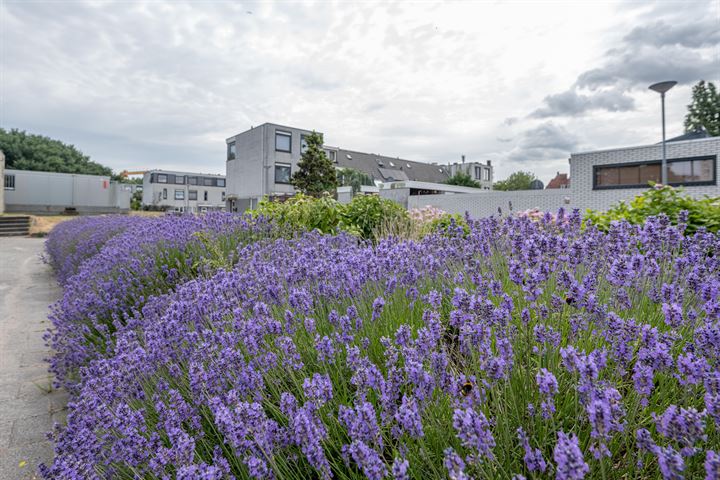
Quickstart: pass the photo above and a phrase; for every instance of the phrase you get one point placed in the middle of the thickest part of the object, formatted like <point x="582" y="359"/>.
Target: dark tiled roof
<point x="385" y="169"/>
<point x="559" y="180"/>
<point x="689" y="136"/>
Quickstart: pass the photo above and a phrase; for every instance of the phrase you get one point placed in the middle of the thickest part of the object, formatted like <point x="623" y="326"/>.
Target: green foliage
<point x="316" y="173"/>
<point x="349" y="177"/>
<point x="365" y="214"/>
<point x="361" y="217"/>
<point x="35" y="152"/>
<point x="450" y="224"/>
<point x="463" y="179"/>
<point x="704" y="111"/>
<point x="662" y="199"/>
<point x="516" y="181"/>
<point x="136" y="201"/>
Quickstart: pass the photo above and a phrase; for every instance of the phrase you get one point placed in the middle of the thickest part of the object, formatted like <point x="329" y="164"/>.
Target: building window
<point x="179" y="194"/>
<point x="208" y="182"/>
<point x="192" y="194"/>
<point x="205" y="196"/>
<point x="222" y="196"/>
<point x="9" y="182"/>
<point x="192" y="180"/>
<point x="303" y="143"/>
<point x="179" y="180"/>
<point x="680" y="171"/>
<point x="161" y="178"/>
<point x="282" y="173"/>
<point x="331" y="154"/>
<point x="164" y="193"/>
<point x="486" y="174"/>
<point x="477" y="173"/>
<point x="231" y="151"/>
<point x="283" y="140"/>
<point x="220" y="182"/>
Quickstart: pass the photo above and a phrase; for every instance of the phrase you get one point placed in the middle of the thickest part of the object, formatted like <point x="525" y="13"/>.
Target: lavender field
<point x="221" y="346"/>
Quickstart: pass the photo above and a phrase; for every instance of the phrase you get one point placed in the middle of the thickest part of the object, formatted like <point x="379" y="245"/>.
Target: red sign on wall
<point x="105" y="184"/>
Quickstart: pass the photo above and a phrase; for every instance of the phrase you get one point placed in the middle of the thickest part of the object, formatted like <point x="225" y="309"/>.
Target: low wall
<point x="487" y="203"/>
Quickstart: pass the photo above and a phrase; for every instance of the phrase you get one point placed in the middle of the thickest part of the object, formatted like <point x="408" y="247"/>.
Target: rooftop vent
<point x="349" y="157"/>
<point x="392" y="164"/>
<point x="408" y="165"/>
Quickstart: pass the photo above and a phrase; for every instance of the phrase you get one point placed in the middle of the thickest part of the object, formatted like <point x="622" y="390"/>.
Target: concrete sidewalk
<point x="28" y="403"/>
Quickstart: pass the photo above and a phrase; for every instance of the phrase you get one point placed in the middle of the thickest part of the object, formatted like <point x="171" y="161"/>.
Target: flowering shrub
<point x="363" y="216"/>
<point x="525" y="349"/>
<point x="663" y="199"/>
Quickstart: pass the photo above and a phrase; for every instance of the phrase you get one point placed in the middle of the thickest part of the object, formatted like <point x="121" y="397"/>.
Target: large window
<point x="283" y="140"/>
<point x="231" y="151"/>
<point x="179" y="180"/>
<point x="220" y="182"/>
<point x="9" y="182"/>
<point x="161" y="178"/>
<point x="208" y="182"/>
<point x="192" y="194"/>
<point x="303" y="143"/>
<point x="179" y="194"/>
<point x="192" y="180"/>
<point x="680" y="171"/>
<point x="477" y="172"/>
<point x="282" y="173"/>
<point x="486" y="174"/>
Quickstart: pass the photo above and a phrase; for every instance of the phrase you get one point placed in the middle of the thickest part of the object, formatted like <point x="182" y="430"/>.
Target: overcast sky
<point x="139" y="85"/>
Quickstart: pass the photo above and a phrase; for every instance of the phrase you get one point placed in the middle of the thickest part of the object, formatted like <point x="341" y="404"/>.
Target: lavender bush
<point x="519" y="349"/>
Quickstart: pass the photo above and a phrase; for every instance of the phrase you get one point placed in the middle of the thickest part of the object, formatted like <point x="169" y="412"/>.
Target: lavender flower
<point x="569" y="461"/>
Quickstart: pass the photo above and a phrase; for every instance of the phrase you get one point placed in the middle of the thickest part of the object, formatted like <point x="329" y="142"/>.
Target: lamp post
<point x="661" y="88"/>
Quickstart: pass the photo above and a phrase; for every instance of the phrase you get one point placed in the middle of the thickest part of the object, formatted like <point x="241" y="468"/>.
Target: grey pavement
<point x="29" y="405"/>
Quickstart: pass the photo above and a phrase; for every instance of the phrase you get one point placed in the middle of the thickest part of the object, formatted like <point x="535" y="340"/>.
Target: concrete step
<point x="14" y="226"/>
<point x="14" y="233"/>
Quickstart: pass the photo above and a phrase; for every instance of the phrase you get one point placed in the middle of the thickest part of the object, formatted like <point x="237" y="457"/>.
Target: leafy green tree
<point x="516" y="181"/>
<point x="316" y="173"/>
<point x="349" y="177"/>
<point x="704" y="111"/>
<point x="25" y="151"/>
<point x="463" y="179"/>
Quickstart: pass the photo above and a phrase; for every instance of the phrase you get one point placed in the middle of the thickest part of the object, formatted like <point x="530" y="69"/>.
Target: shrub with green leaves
<point x="361" y="217"/>
<point x="662" y="199"/>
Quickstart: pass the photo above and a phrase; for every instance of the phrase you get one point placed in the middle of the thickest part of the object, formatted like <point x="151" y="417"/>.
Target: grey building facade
<point x="261" y="161"/>
<point x="183" y="191"/>
<point x="28" y="191"/>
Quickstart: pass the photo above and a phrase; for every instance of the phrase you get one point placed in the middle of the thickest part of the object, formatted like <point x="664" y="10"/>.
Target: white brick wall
<point x="580" y="194"/>
<point x="581" y="170"/>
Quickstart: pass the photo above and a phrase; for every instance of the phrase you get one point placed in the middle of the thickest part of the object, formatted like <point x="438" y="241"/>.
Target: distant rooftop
<point x="694" y="135"/>
<point x="389" y="169"/>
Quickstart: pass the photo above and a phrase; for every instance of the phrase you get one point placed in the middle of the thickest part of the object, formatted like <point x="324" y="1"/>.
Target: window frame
<point x="302" y="139"/>
<point x="208" y="182"/>
<point x="192" y="195"/>
<point x="231" y="151"/>
<point x="179" y="179"/>
<point x="280" y="166"/>
<point x="164" y="194"/>
<point x="162" y="175"/>
<point x="485" y="174"/>
<point x="221" y="180"/>
<point x="9" y="181"/>
<point x="699" y="183"/>
<point x="179" y="194"/>
<point x="205" y="196"/>
<point x="283" y="133"/>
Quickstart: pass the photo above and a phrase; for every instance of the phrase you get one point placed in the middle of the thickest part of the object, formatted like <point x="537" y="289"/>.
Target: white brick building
<point x="600" y="179"/>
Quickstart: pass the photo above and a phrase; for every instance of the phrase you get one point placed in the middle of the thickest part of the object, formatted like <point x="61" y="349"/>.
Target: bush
<point x="361" y="217"/>
<point x="663" y="199"/>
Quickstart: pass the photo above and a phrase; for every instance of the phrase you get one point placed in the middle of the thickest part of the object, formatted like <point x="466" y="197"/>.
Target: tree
<point x="35" y="152"/>
<point x="316" y="173"/>
<point x="704" y="111"/>
<point x="516" y="181"/>
<point x="463" y="179"/>
<point x="349" y="177"/>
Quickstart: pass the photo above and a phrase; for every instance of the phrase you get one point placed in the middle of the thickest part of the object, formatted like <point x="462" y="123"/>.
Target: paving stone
<point x="28" y="407"/>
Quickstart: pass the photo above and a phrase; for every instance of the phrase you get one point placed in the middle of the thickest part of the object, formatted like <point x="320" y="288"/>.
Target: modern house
<point x="480" y="172"/>
<point x="183" y="191"/>
<point x="261" y="161"/>
<point x="601" y="178"/>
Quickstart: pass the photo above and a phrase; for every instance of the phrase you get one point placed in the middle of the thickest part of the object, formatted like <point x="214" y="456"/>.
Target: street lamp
<point x="661" y="88"/>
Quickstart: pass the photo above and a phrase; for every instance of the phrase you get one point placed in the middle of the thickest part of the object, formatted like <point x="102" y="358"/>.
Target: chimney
<point x="463" y="158"/>
<point x="488" y="163"/>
